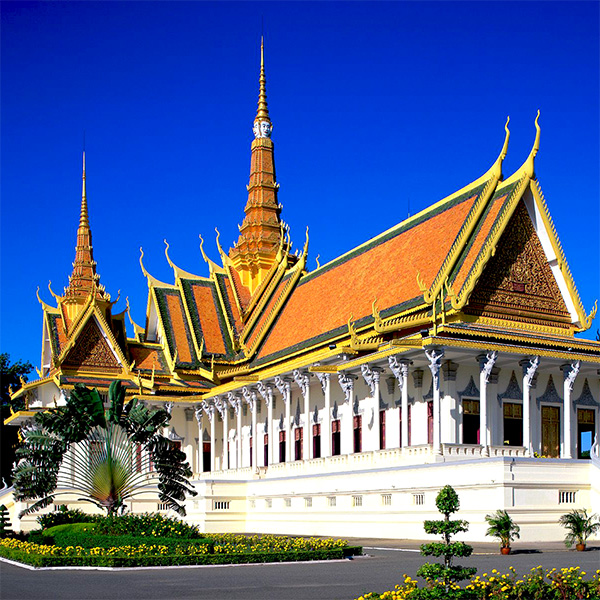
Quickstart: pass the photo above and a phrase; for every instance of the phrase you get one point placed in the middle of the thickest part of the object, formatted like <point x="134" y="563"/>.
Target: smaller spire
<point x="262" y="112"/>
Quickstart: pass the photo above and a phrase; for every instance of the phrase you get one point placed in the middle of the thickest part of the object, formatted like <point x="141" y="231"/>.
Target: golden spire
<point x="84" y="279"/>
<point x="83" y="219"/>
<point x="262" y="112"/>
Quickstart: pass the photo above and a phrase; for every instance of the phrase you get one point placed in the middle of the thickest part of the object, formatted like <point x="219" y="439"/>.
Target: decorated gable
<point x="517" y="280"/>
<point x="91" y="350"/>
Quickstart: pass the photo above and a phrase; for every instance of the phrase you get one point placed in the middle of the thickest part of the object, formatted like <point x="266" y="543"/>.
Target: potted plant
<point x="504" y="528"/>
<point x="580" y="526"/>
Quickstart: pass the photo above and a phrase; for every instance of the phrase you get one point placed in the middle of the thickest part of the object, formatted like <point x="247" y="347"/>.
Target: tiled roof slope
<point x="175" y="324"/>
<point x="148" y="358"/>
<point x="384" y="269"/>
<point x="208" y="321"/>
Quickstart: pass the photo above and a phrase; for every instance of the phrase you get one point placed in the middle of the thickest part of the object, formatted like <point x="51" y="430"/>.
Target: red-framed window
<point x="336" y="438"/>
<point x="316" y="429"/>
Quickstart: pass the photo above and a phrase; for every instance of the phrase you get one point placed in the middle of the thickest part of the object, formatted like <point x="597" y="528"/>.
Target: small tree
<point x="104" y="456"/>
<point x="502" y="526"/>
<point x="446" y="574"/>
<point x="5" y="528"/>
<point x="580" y="526"/>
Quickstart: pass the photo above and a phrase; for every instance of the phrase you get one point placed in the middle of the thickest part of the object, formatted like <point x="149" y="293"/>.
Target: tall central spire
<point x="261" y="231"/>
<point x="84" y="280"/>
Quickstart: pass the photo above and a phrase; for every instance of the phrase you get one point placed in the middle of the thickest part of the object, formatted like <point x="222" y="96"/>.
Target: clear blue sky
<point x="374" y="105"/>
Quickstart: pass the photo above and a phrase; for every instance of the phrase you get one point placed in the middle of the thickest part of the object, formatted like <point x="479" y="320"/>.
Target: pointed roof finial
<point x="83" y="219"/>
<point x="529" y="163"/>
<point x="262" y="122"/>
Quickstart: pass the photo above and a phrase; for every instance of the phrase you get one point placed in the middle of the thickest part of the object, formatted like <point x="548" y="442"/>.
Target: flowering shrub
<point x="148" y="524"/>
<point x="539" y="584"/>
<point x="63" y="516"/>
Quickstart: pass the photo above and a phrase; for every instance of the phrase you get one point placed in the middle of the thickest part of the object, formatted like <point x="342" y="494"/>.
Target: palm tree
<point x="580" y="527"/>
<point x="502" y="527"/>
<point x="105" y="456"/>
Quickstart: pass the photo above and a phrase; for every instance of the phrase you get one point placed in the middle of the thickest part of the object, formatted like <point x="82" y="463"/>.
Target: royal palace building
<point x="339" y="401"/>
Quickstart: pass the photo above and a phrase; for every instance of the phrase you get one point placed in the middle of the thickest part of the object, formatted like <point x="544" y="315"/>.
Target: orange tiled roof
<point x="174" y="321"/>
<point x="147" y="358"/>
<point x="58" y="336"/>
<point x="233" y="313"/>
<point x="207" y="318"/>
<point x="266" y="313"/>
<point x="242" y="292"/>
<point x="384" y="269"/>
<point x="474" y="246"/>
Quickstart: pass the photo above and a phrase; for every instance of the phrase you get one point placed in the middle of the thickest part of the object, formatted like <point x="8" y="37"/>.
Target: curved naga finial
<point x="167" y="255"/>
<point x="317" y="261"/>
<point x="44" y="305"/>
<point x="529" y="163"/>
<point x="218" y="244"/>
<point x="56" y="296"/>
<point x="424" y="289"/>
<point x="305" y="250"/>
<point x="202" y="248"/>
<point x="592" y="315"/>
<point x="146" y="274"/>
<point x="496" y="169"/>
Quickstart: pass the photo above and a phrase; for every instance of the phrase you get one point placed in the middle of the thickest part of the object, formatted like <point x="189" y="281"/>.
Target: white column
<point x="529" y="366"/>
<point x="302" y="378"/>
<point x="223" y="408"/>
<point x="325" y="381"/>
<point x="434" y="357"/>
<point x="372" y="375"/>
<point x="251" y="399"/>
<point x="346" y="381"/>
<point x="400" y="370"/>
<point x="284" y="385"/>
<point x="570" y="372"/>
<point x="209" y="409"/>
<point x="236" y="404"/>
<point x="448" y="404"/>
<point x="200" y="449"/>
<point x="486" y="364"/>
<point x="266" y="391"/>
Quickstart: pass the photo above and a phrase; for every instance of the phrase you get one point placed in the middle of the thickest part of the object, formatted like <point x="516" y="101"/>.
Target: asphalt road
<point x="333" y="580"/>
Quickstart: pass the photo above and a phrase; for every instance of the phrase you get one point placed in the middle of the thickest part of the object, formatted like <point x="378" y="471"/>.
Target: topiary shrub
<point x="5" y="527"/>
<point x="442" y="578"/>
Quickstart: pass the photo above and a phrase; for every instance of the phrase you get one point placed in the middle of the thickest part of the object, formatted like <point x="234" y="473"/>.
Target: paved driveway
<point x="334" y="580"/>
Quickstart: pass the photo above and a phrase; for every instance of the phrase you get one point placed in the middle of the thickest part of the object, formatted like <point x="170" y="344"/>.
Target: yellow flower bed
<point x="568" y="583"/>
<point x="122" y="551"/>
<point x="231" y="543"/>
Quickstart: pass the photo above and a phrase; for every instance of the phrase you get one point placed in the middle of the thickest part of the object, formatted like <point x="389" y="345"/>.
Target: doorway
<point x="551" y="431"/>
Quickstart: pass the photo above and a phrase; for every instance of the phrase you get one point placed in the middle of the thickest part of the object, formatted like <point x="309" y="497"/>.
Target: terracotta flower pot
<point x="580" y="547"/>
<point x="505" y="550"/>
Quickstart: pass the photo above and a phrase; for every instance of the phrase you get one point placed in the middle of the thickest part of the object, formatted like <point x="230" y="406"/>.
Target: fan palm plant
<point x="502" y="526"/>
<point x="104" y="456"/>
<point x="580" y="526"/>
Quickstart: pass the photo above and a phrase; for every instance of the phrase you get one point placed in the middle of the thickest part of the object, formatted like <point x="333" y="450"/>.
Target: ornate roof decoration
<point x="84" y="279"/>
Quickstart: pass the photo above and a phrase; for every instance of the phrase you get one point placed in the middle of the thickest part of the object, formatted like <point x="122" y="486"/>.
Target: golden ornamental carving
<point x="518" y="278"/>
<point x="91" y="349"/>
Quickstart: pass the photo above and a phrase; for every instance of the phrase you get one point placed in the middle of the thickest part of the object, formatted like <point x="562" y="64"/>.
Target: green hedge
<point x="87" y="540"/>
<point x="37" y="560"/>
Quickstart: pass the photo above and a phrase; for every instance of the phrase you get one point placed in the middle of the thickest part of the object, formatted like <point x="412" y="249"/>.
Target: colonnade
<point x="278" y="443"/>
